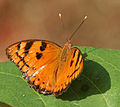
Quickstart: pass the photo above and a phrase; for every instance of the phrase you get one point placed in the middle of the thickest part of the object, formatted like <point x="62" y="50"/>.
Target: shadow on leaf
<point x="93" y="80"/>
<point x="4" y="105"/>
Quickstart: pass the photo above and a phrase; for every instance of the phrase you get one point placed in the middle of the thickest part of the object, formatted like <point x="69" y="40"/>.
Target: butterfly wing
<point x="72" y="68"/>
<point x="37" y="60"/>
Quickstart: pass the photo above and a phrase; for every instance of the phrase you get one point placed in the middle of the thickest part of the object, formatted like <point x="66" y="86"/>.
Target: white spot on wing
<point x="38" y="70"/>
<point x="43" y="67"/>
<point x="35" y="73"/>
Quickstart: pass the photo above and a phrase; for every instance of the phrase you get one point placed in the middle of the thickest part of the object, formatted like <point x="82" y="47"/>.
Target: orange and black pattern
<point x="41" y="62"/>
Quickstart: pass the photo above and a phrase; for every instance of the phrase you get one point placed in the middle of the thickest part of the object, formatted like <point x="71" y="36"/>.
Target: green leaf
<point x="98" y="85"/>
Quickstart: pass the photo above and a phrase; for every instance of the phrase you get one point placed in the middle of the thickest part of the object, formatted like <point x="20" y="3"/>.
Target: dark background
<point x="38" y="19"/>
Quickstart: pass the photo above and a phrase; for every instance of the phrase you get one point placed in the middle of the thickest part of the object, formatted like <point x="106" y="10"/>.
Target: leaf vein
<point x="107" y="62"/>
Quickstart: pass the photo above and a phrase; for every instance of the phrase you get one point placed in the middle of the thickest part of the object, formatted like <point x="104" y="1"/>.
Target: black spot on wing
<point x="43" y="46"/>
<point x="74" y="72"/>
<point x="78" y="58"/>
<point x="28" y="46"/>
<point x="25" y="64"/>
<point x="38" y="88"/>
<point x="38" y="55"/>
<point x="19" y="56"/>
<point x="18" y="46"/>
<point x="71" y="63"/>
<point x="74" y="53"/>
<point x="22" y="59"/>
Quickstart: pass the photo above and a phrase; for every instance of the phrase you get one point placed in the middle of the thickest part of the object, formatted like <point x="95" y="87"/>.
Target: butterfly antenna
<point x="60" y="16"/>
<point x="77" y="28"/>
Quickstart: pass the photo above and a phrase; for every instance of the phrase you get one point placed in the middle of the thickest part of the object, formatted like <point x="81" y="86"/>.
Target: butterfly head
<point x="67" y="45"/>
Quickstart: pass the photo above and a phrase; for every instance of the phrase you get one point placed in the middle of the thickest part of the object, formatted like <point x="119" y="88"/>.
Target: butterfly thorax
<point x="65" y="51"/>
<point x="62" y="61"/>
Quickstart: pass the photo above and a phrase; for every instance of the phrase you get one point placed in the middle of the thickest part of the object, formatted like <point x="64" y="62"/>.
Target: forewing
<point x="73" y="67"/>
<point x="37" y="60"/>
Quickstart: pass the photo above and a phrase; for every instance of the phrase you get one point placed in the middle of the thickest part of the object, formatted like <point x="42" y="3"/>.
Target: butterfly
<point x="49" y="67"/>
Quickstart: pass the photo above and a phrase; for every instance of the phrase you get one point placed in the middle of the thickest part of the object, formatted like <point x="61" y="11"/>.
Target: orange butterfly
<point x="48" y="67"/>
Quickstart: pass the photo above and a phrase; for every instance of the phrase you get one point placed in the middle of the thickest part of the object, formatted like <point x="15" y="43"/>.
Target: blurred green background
<point x="38" y="19"/>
